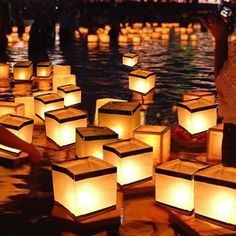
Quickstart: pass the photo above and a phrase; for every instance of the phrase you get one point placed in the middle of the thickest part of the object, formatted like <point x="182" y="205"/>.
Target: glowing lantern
<point x="193" y="37"/>
<point x="44" y="69"/>
<point x="4" y="76"/>
<point x="47" y="102"/>
<point x="12" y="108"/>
<point x="83" y="30"/>
<point x="61" y="70"/>
<point x="102" y="101"/>
<point x="132" y="158"/>
<point x="215" y="195"/>
<point x="215" y="136"/>
<point x="90" y="141"/>
<point x="20" y="126"/>
<point x="121" y="117"/>
<point x="92" y="38"/>
<point x="60" y="80"/>
<point x="175" y="185"/>
<point x="165" y="36"/>
<point x="184" y="37"/>
<point x="71" y="94"/>
<point x="104" y="38"/>
<point x="197" y="115"/>
<point x="199" y="94"/>
<point x="158" y="137"/>
<point x="141" y="80"/>
<point x="22" y="87"/>
<point x="44" y="83"/>
<point x="155" y="35"/>
<point x="85" y="186"/>
<point x="23" y="70"/>
<point x="122" y="39"/>
<point x="136" y="40"/>
<point x="130" y="59"/>
<point x="14" y="29"/>
<point x="61" y="124"/>
<point x="25" y="37"/>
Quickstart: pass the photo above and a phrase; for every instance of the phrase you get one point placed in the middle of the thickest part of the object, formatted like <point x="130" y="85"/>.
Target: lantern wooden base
<point x="107" y="220"/>
<point x="10" y="161"/>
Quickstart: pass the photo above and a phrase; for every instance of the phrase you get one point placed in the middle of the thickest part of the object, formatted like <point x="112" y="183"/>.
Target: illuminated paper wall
<point x="85" y="186"/>
<point x="44" y="69"/>
<point x="174" y="185"/>
<point x="133" y="159"/>
<point x="13" y="108"/>
<point x="197" y="115"/>
<point x="130" y="59"/>
<point x="215" y="195"/>
<point x="4" y="75"/>
<point x="44" y="83"/>
<point x="199" y="94"/>
<point x="61" y="70"/>
<point x="23" y="70"/>
<point x="60" y="80"/>
<point x="121" y="117"/>
<point x="61" y="124"/>
<point x="90" y="141"/>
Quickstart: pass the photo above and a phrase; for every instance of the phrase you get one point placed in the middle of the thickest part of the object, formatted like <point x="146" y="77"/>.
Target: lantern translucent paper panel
<point x="44" y="83"/>
<point x="174" y="184"/>
<point x="121" y="117"/>
<point x="199" y="94"/>
<point x="4" y="75"/>
<point x="215" y="136"/>
<point x="12" y="108"/>
<point x="23" y="70"/>
<point x="102" y="101"/>
<point x="47" y="102"/>
<point x="141" y="80"/>
<point x="18" y="125"/>
<point x="130" y="59"/>
<point x="104" y="38"/>
<point x="44" y="69"/>
<point x="84" y="186"/>
<point x="92" y="38"/>
<point x="90" y="140"/>
<point x="156" y="136"/>
<point x="215" y="195"/>
<point x="61" y="70"/>
<point x="197" y="115"/>
<point x="61" y="124"/>
<point x="71" y="94"/>
<point x="60" y="80"/>
<point x="132" y="158"/>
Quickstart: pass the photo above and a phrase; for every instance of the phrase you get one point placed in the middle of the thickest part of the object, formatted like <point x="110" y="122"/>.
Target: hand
<point x="217" y="26"/>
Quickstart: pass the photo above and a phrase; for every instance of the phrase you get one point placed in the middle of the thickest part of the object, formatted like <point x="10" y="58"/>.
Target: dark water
<point x="180" y="67"/>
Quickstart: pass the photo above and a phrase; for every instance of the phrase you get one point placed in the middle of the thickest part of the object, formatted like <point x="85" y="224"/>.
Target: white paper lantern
<point x="90" y="141"/>
<point x="85" y="186"/>
<point x="64" y="79"/>
<point x="4" y="75"/>
<point x="23" y="70"/>
<point x="130" y="59"/>
<point x="61" y="124"/>
<point x="13" y="108"/>
<point x="61" y="70"/>
<point x="132" y="158"/>
<point x="44" y="69"/>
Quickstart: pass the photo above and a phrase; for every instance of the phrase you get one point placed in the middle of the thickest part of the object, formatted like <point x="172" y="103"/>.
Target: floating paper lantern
<point x="184" y="37"/>
<point x="130" y="59"/>
<point x="136" y="40"/>
<point x="156" y="136"/>
<point x="104" y="38"/>
<point x="174" y="184"/>
<point x="215" y="136"/>
<point x="215" y="195"/>
<point x="123" y="39"/>
<point x="14" y="29"/>
<point x="25" y="37"/>
<point x="12" y="108"/>
<point x="92" y="38"/>
<point x="102" y="101"/>
<point x="85" y="186"/>
<point x="90" y="141"/>
<point x="197" y="115"/>
<point x="121" y="117"/>
<point x="44" y="83"/>
<point x="61" y="124"/>
<point x="61" y="70"/>
<point x="71" y="94"/>
<point x="199" y="94"/>
<point x="20" y="126"/>
<point x="47" y="102"/>
<point x="64" y="79"/>
<point x="22" y="87"/>
<point x="141" y="80"/>
<point x="132" y="158"/>
<point x="23" y="70"/>
<point x="44" y="69"/>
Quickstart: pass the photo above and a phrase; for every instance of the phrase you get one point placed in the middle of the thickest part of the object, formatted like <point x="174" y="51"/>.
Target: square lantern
<point x="4" y="75"/>
<point x="130" y="59"/>
<point x="141" y="80"/>
<point x="102" y="101"/>
<point x="22" y="87"/>
<point x="159" y="137"/>
<point x="90" y="141"/>
<point x="12" y="108"/>
<point x="44" y="83"/>
<point x="63" y="79"/>
<point x="174" y="184"/>
<point x="197" y="115"/>
<point x="215" y="195"/>
<point x="199" y="94"/>
<point x="71" y="94"/>
<point x="20" y="126"/>
<point x="215" y="136"/>
<point x="23" y="70"/>
<point x="132" y="158"/>
<point x="121" y="117"/>
<point x="61" y="124"/>
<point x="47" y="102"/>
<point x="61" y="70"/>
<point x="85" y="186"/>
<point x="44" y="69"/>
